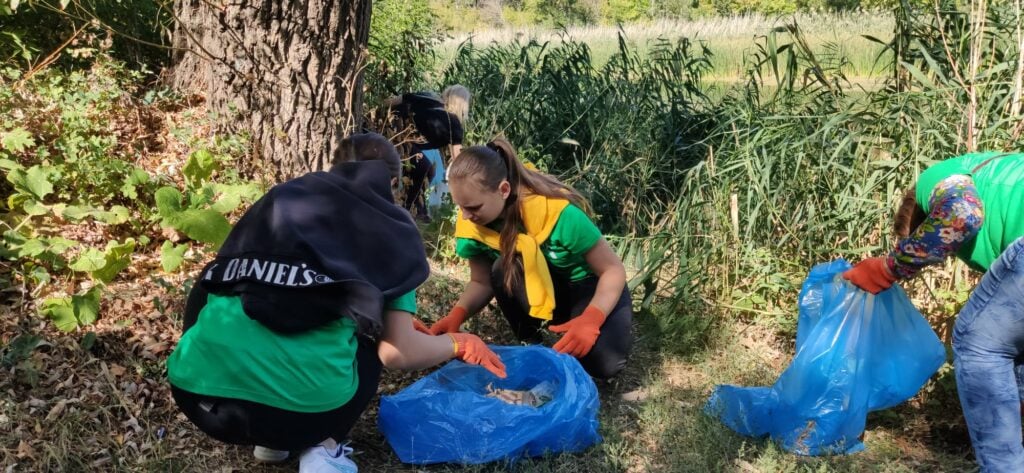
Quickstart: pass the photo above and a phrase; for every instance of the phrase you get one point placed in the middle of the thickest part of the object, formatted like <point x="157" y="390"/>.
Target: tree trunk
<point x="288" y="74"/>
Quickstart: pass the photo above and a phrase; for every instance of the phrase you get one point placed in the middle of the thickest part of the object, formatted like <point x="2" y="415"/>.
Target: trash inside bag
<point x="855" y="352"/>
<point x="462" y="413"/>
<point x="534" y="397"/>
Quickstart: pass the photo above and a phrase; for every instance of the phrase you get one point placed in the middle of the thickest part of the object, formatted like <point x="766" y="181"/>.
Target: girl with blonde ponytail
<point x="532" y="247"/>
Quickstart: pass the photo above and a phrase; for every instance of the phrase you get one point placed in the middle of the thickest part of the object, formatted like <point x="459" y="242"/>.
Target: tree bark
<point x="287" y="73"/>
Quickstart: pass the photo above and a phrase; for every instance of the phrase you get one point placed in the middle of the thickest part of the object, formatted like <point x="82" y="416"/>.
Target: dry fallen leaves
<point x="25" y="450"/>
<point x="117" y="370"/>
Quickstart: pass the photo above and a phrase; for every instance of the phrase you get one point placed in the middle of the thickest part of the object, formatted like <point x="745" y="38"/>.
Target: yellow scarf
<point x="540" y="214"/>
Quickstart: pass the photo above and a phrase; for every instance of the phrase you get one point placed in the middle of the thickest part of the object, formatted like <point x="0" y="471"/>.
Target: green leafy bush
<point x="134" y="32"/>
<point x="402" y="36"/>
<point x="75" y="148"/>
<point x="69" y="313"/>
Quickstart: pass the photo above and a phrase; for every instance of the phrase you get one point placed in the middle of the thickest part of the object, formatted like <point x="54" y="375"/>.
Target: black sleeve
<point x="458" y="133"/>
<point x="439" y="127"/>
<point x="418" y="101"/>
<point x="195" y="303"/>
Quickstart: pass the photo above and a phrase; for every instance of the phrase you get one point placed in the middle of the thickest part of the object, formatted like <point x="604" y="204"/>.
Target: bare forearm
<point x="611" y="276"/>
<point x="421" y="351"/>
<point x="609" y="289"/>
<point x="402" y="347"/>
<point x="475" y="297"/>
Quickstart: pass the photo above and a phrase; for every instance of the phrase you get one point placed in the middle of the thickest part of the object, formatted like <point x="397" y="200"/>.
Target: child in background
<point x="435" y="129"/>
<point x="438" y="123"/>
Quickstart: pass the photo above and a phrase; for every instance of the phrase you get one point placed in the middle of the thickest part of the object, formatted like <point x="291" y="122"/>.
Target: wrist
<point x="455" y="345"/>
<point x="593" y="313"/>
<point x="889" y="268"/>
<point x="459" y="313"/>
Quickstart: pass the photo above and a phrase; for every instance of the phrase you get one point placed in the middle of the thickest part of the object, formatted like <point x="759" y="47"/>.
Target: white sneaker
<point x="324" y="459"/>
<point x="269" y="455"/>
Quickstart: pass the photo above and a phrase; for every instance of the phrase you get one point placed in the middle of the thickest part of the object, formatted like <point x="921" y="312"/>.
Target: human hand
<point x="580" y="333"/>
<point x="871" y="274"/>
<point x="450" y="323"/>
<point x="471" y="349"/>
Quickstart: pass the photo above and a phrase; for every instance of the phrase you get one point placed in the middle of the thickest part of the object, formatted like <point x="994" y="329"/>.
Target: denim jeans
<point x="988" y="344"/>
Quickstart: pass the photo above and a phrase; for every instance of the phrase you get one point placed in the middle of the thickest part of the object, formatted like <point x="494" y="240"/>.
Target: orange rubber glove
<point x="872" y="275"/>
<point x="580" y="332"/>
<point x="419" y="326"/>
<point x="450" y="323"/>
<point x="471" y="349"/>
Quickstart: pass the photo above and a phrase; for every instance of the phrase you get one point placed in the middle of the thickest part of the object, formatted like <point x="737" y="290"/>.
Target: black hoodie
<point x="319" y="247"/>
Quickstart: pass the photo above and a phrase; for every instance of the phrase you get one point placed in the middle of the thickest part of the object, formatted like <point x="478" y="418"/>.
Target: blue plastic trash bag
<point x="855" y="353"/>
<point x="447" y="416"/>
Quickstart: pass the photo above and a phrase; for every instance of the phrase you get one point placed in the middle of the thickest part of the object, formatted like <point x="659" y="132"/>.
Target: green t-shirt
<point x="405" y="303"/>
<point x="227" y="354"/>
<point x="572" y="237"/>
<point x="1000" y="185"/>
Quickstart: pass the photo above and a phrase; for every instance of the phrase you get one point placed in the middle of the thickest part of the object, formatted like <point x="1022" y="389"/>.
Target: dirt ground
<point x="72" y="404"/>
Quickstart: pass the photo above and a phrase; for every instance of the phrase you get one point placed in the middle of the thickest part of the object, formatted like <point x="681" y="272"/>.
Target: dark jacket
<point x="319" y="247"/>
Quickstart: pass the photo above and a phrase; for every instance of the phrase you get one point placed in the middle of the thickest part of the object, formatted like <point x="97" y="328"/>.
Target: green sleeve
<point x="406" y="302"/>
<point x="468" y="248"/>
<point x="575" y="231"/>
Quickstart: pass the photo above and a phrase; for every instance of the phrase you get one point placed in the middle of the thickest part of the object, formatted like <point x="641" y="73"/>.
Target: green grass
<point x="652" y="417"/>
<point x="730" y="39"/>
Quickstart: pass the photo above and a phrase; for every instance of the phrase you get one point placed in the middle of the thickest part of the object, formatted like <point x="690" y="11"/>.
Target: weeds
<point x="78" y="201"/>
<point x="731" y="199"/>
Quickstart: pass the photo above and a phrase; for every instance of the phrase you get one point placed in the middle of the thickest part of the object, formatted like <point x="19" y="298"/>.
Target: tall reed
<point x="725" y="200"/>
